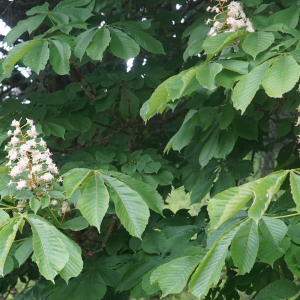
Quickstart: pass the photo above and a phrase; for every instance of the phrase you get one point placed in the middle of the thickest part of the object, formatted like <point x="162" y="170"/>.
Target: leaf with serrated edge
<point x="24" y="250"/>
<point x="7" y="237"/>
<point x="152" y="198"/>
<point x="82" y="41"/>
<point x="295" y="188"/>
<point x="281" y="77"/>
<point x="264" y="192"/>
<point x="206" y="74"/>
<point x="130" y="207"/>
<point x="46" y="247"/>
<point x="244" y="246"/>
<point x="247" y="87"/>
<point x="60" y="53"/>
<point x="209" y="270"/>
<point x="99" y="43"/>
<point x="93" y="202"/>
<point x="227" y="203"/>
<point x="256" y="42"/>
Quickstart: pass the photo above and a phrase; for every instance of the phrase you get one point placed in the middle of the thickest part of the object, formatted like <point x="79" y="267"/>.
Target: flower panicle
<point x="233" y="19"/>
<point x="28" y="155"/>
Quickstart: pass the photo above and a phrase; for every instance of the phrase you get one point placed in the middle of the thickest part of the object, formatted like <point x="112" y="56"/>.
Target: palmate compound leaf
<point x="209" y="269"/>
<point x="50" y="252"/>
<point x="7" y="237"/>
<point x="130" y="206"/>
<point x="152" y="198"/>
<point x="94" y="200"/>
<point x="256" y="42"/>
<point x="99" y="43"/>
<point x="295" y="188"/>
<point x="227" y="203"/>
<point x="277" y="290"/>
<point x="247" y="87"/>
<point x="282" y="76"/>
<point x="37" y="58"/>
<point x="244" y="246"/>
<point x="264" y="192"/>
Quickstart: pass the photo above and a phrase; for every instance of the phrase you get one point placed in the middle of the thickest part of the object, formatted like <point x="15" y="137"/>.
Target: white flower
<point x="29" y="122"/>
<point x="14" y="141"/>
<point x="65" y="207"/>
<point x="24" y="148"/>
<point x="52" y="168"/>
<point x="47" y="176"/>
<point x="32" y="132"/>
<point x="37" y="169"/>
<point x="17" y="131"/>
<point x="31" y="143"/>
<point x="21" y="184"/>
<point x="20" y="205"/>
<point x="10" y="183"/>
<point x="59" y="179"/>
<point x="9" y="133"/>
<point x="12" y="154"/>
<point x="208" y="9"/>
<point x="42" y="143"/>
<point x="54" y="202"/>
<point x="15" y="123"/>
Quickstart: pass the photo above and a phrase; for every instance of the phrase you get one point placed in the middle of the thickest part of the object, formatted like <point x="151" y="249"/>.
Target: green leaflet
<point x="256" y="42"/>
<point x="146" y="41"/>
<point x="152" y="198"/>
<point x="37" y="58"/>
<point x="130" y="207"/>
<point x="99" y="43"/>
<point x="277" y="290"/>
<point x="24" y="250"/>
<point x="173" y="276"/>
<point x="282" y="76"/>
<point x="209" y="269"/>
<point x="75" y="224"/>
<point x="226" y="204"/>
<point x="186" y="132"/>
<point x="246" y="88"/>
<point x="206" y="74"/>
<point x="244" y="246"/>
<point x="29" y="25"/>
<point x="264" y="192"/>
<point x="82" y="41"/>
<point x="7" y="237"/>
<point x="295" y="187"/>
<point x="73" y="179"/>
<point x="46" y="246"/>
<point x="60" y="53"/>
<point x="93" y="202"/>
<point x="17" y="53"/>
<point x="122" y="45"/>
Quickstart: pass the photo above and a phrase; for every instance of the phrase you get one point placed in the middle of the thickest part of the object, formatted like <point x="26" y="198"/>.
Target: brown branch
<point x="128" y="105"/>
<point x="87" y="92"/>
<point x="82" y="76"/>
<point x="108" y="234"/>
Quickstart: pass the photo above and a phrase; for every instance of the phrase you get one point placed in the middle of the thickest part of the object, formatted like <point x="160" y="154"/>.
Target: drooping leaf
<point x="93" y="202"/>
<point x="35" y="204"/>
<point x="130" y="207"/>
<point x="46" y="246"/>
<point x="37" y="58"/>
<point x="244" y="246"/>
<point x="7" y="236"/>
<point x="75" y="224"/>
<point x="282" y="76"/>
<point x="152" y="198"/>
<point x="246" y="88"/>
<point x="122" y="45"/>
<point x="210" y="267"/>
<point x="295" y="188"/>
<point x="82" y="41"/>
<point x="24" y="250"/>
<point x="60" y="53"/>
<point x="99" y="43"/>
<point x="73" y="180"/>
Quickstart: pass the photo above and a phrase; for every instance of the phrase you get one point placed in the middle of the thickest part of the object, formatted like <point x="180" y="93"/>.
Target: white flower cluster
<point x="233" y="19"/>
<point x="27" y="155"/>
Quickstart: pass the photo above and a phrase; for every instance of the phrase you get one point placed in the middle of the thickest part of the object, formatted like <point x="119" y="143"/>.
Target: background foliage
<point x="193" y="112"/>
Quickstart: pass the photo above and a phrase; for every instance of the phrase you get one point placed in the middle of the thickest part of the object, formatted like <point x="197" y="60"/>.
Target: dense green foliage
<point x="194" y="111"/>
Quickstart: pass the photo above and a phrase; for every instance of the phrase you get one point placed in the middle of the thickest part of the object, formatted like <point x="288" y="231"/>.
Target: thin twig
<point x="91" y="96"/>
<point x="128" y="105"/>
<point x="82" y="76"/>
<point x="108" y="234"/>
